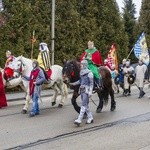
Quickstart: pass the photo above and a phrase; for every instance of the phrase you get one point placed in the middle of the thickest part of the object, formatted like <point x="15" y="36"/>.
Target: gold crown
<point x="90" y="42"/>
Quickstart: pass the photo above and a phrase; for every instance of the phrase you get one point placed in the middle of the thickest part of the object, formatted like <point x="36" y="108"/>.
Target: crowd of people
<point x="90" y="78"/>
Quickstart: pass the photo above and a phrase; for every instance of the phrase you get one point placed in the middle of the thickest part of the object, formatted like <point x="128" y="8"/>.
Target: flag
<point x="112" y="56"/>
<point x="141" y="50"/>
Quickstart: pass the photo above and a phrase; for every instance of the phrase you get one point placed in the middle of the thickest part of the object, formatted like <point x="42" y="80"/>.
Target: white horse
<point x="56" y="81"/>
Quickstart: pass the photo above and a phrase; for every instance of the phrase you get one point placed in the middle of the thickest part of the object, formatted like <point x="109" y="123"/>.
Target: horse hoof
<point x="76" y="123"/>
<point x="60" y="106"/>
<point x="98" y="110"/>
<point x="24" y="111"/>
<point x="113" y="108"/>
<point x="53" y="103"/>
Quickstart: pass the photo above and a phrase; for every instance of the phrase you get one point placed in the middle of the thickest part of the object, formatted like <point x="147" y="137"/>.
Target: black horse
<point x="71" y="73"/>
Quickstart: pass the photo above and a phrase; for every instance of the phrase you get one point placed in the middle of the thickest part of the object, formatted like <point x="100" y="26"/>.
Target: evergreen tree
<point x="144" y="20"/>
<point x="129" y="12"/>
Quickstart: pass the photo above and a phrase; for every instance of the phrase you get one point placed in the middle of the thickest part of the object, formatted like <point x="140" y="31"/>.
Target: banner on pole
<point x="112" y="56"/>
<point x="141" y="50"/>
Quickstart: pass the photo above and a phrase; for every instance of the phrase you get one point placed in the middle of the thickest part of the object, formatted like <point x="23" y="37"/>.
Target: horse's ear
<point x="64" y="61"/>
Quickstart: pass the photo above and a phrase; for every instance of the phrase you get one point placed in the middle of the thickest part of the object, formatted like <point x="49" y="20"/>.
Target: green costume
<point x="92" y="66"/>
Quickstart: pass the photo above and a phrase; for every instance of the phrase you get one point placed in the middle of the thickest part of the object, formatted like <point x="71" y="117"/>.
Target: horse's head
<point x="18" y="65"/>
<point x="43" y="47"/>
<point x="70" y="71"/>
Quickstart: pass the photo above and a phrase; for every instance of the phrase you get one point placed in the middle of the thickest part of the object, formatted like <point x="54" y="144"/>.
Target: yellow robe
<point x="39" y="59"/>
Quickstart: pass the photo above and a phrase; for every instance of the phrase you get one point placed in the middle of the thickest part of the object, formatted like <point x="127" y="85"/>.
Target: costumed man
<point x="127" y="70"/>
<point x="8" y="69"/>
<point x="3" y="101"/>
<point x="44" y="60"/>
<point x="114" y="73"/>
<point x="140" y="71"/>
<point x="86" y="88"/>
<point x="36" y="80"/>
<point x="44" y="57"/>
<point x="93" y="56"/>
<point x="121" y="74"/>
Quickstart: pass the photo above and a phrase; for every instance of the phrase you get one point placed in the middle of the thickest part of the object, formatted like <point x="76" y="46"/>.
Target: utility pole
<point x="53" y="30"/>
<point x="1" y="6"/>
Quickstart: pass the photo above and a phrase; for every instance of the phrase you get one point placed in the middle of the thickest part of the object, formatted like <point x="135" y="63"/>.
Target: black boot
<point x="98" y="84"/>
<point x="142" y="93"/>
<point x="126" y="92"/>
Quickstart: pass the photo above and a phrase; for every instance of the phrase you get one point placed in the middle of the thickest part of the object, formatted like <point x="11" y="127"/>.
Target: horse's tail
<point x="65" y="90"/>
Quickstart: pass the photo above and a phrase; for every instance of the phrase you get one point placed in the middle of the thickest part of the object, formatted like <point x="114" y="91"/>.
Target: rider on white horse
<point x="44" y="57"/>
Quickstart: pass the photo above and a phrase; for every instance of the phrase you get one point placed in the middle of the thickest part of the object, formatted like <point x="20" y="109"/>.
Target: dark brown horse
<point x="71" y="73"/>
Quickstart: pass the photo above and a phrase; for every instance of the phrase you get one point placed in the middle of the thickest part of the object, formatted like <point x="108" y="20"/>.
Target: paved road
<point x="127" y="128"/>
<point x="21" y="95"/>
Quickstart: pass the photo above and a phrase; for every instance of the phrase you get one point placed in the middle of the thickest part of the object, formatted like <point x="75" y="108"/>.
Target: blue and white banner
<point x="141" y="50"/>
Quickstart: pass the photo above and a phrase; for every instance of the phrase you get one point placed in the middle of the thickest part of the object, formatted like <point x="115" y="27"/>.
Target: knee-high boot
<point x="80" y="117"/>
<point x="89" y="115"/>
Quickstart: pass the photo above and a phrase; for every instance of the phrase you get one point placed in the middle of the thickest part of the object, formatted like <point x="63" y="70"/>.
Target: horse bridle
<point x="71" y="74"/>
<point x="19" y="70"/>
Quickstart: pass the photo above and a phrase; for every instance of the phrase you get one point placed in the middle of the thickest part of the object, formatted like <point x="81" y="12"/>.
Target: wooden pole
<point x="33" y="40"/>
<point x="130" y="53"/>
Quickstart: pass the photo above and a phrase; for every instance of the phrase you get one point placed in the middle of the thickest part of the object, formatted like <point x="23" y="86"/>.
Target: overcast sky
<point x="136" y="2"/>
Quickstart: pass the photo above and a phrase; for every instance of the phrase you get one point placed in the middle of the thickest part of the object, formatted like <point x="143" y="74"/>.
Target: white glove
<point x="71" y="84"/>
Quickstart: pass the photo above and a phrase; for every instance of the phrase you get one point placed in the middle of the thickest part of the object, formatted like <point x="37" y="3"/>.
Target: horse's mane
<point x="76" y="68"/>
<point x="25" y="60"/>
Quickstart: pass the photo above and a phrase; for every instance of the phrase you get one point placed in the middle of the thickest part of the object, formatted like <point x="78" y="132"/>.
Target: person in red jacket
<point x="3" y="101"/>
<point x="93" y="56"/>
<point x="8" y="70"/>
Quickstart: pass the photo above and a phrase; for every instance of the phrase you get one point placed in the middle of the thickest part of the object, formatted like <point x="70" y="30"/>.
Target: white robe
<point x="140" y="74"/>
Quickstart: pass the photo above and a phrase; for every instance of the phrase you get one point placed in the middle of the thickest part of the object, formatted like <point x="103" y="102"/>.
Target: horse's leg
<point x="56" y="89"/>
<point x="64" y="93"/>
<point x="25" y="85"/>
<point x="100" y="105"/>
<point x="25" y="108"/>
<point x="113" y="102"/>
<point x="74" y="97"/>
<point x="74" y="103"/>
<point x="106" y="96"/>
